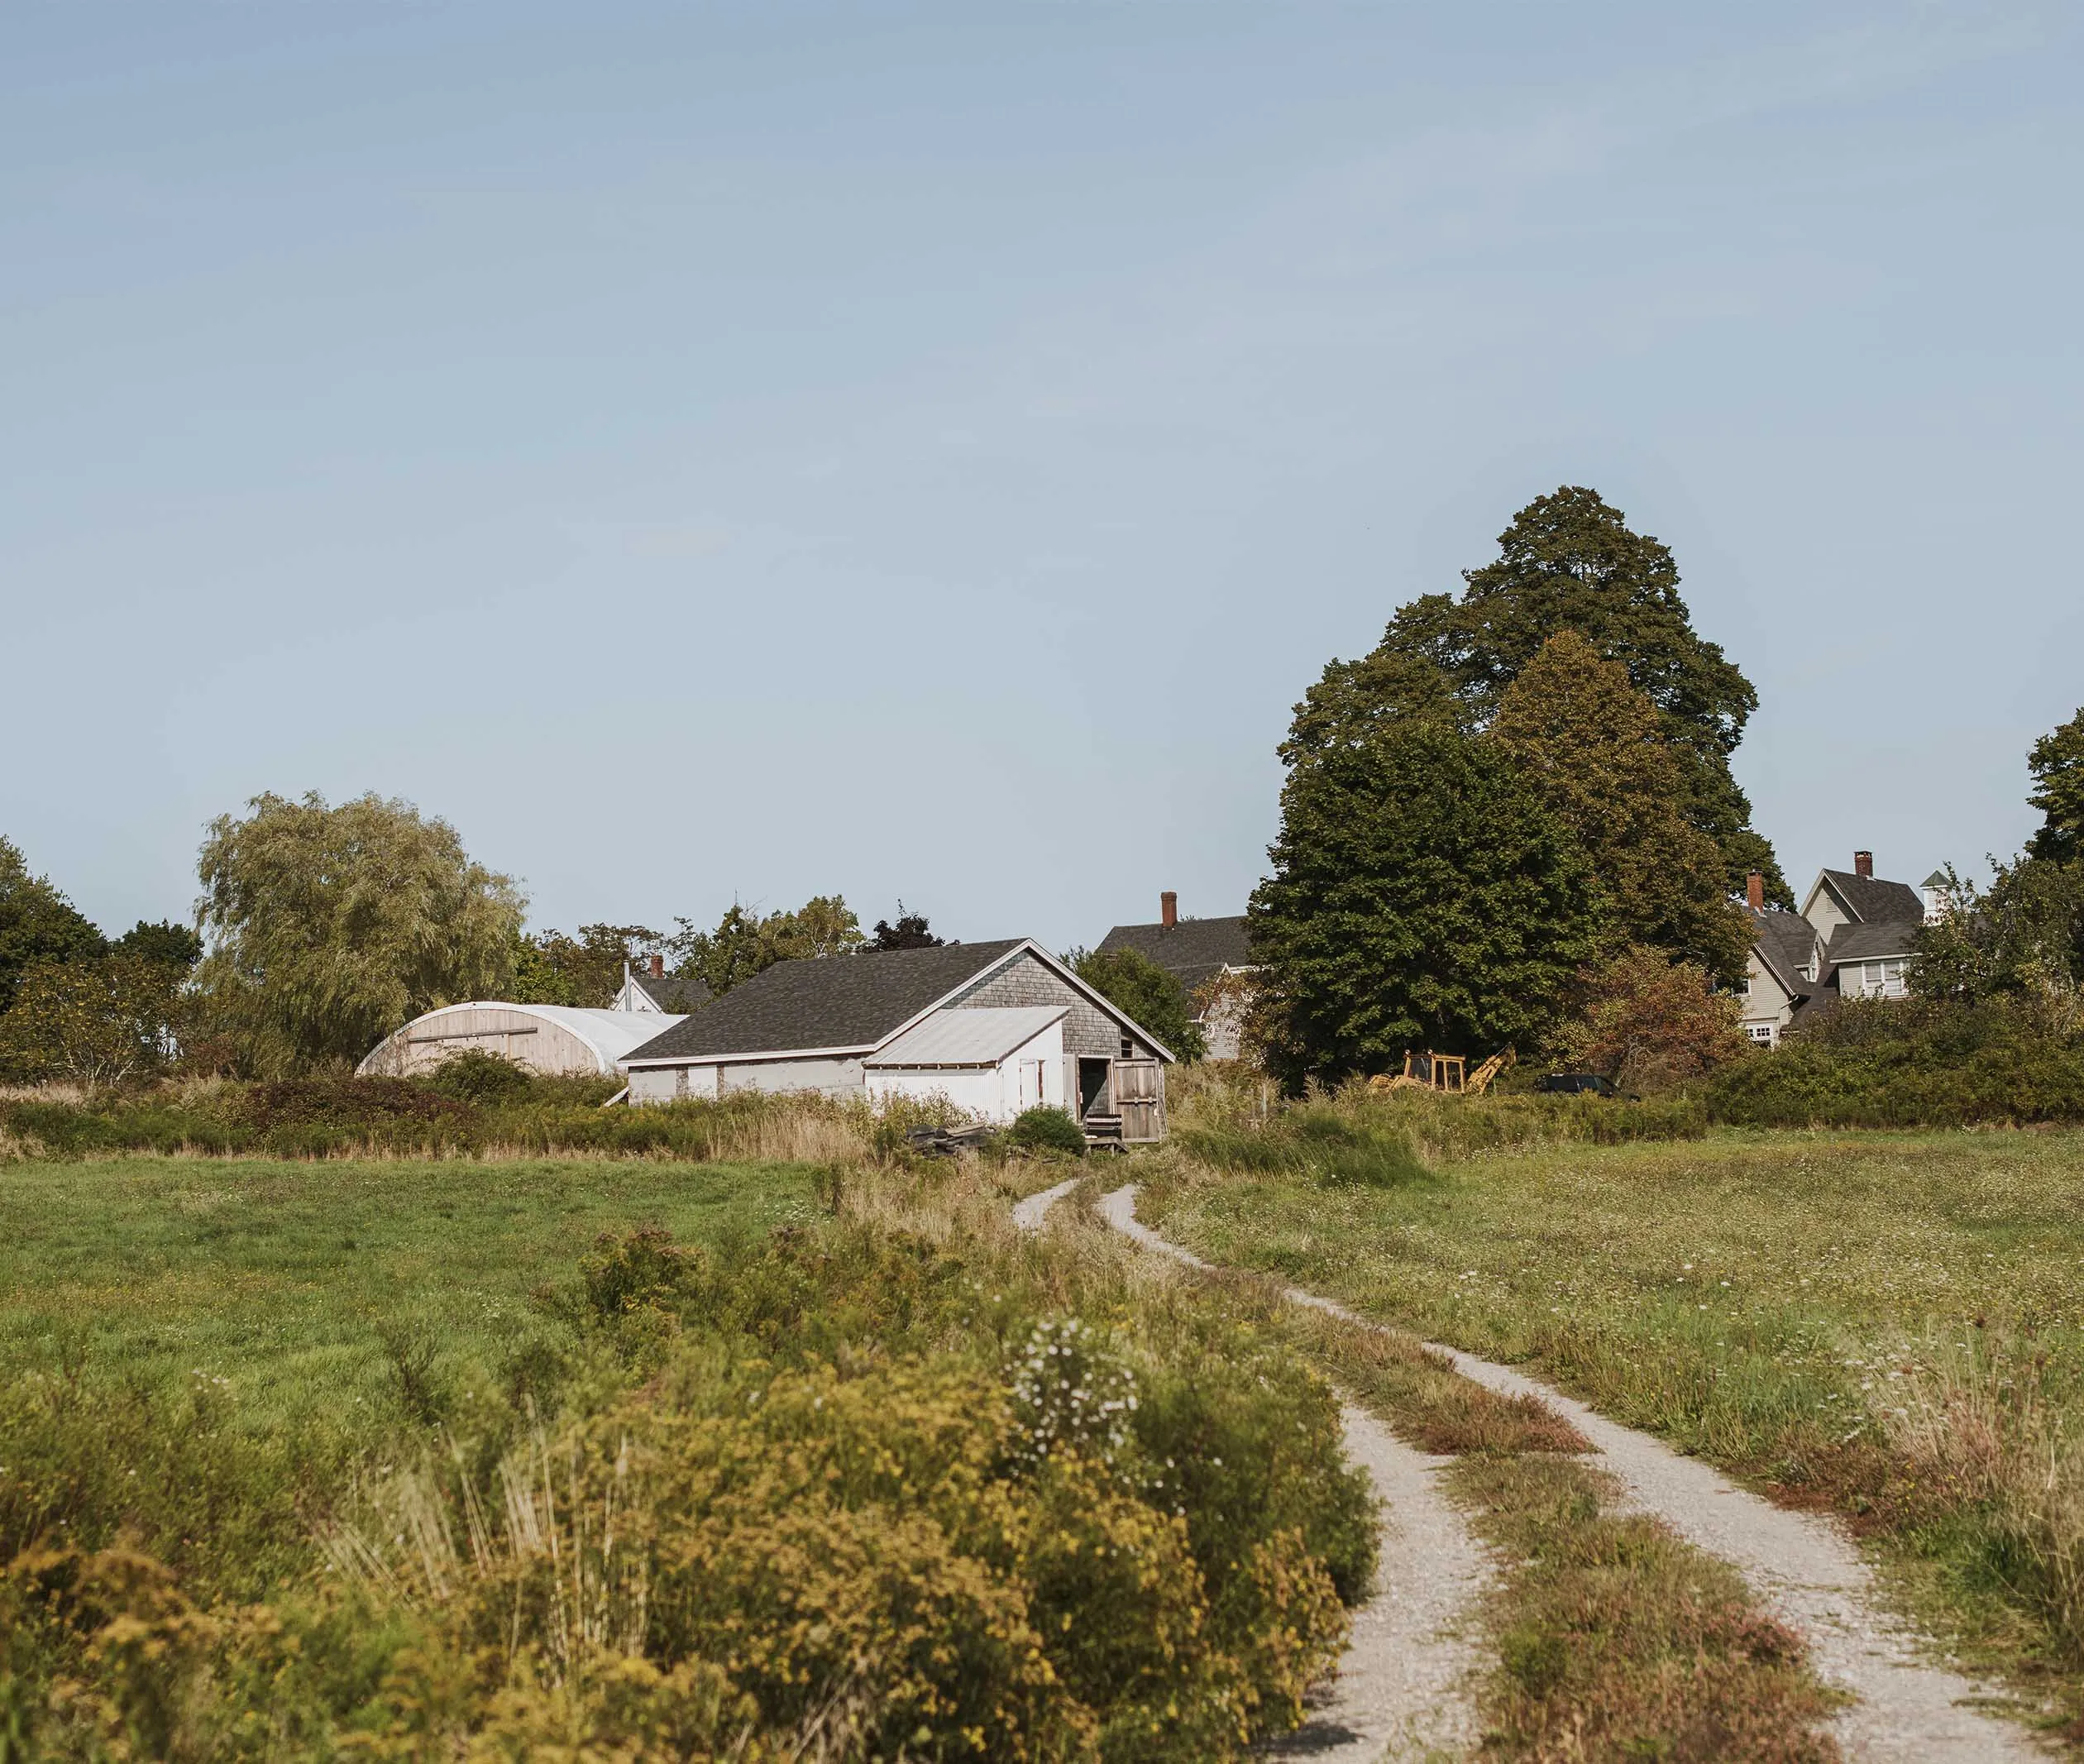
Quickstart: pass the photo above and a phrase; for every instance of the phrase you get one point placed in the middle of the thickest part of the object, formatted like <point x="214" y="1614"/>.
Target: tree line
<point x="319" y="930"/>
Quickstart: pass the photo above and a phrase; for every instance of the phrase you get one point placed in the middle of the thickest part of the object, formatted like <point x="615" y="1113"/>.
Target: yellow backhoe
<point x="1447" y="1074"/>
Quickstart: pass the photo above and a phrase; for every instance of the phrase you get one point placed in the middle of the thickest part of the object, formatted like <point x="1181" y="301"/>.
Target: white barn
<point x="550" y="1039"/>
<point x="994" y="1027"/>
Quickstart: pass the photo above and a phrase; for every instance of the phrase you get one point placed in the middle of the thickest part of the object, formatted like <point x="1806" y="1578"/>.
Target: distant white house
<point x="1856" y="937"/>
<point x="994" y="1027"/>
<point x="549" y="1038"/>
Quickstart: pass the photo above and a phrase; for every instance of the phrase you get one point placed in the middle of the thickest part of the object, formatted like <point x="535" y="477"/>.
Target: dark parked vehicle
<point x="1581" y="1083"/>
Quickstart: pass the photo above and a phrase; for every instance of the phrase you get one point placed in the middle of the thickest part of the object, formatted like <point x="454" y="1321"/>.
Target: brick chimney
<point x="1168" y="908"/>
<point x="1755" y="892"/>
<point x="1863" y="864"/>
<point x="658" y="966"/>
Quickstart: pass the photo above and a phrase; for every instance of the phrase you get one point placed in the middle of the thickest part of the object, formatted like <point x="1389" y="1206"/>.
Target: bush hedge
<point x="1909" y="1063"/>
<point x="1047" y="1129"/>
<point x="355" y="1117"/>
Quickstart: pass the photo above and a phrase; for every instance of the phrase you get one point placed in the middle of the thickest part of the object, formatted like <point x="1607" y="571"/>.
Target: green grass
<point x="1889" y="1326"/>
<point x="301" y="1283"/>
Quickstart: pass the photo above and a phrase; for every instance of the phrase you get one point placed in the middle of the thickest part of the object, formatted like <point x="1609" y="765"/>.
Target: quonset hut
<point x="556" y="1039"/>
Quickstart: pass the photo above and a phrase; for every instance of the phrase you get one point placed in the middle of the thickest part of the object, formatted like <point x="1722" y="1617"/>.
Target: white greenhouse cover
<point x="610" y="1034"/>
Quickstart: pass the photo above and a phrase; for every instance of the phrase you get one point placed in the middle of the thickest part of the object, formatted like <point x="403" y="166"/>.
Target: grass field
<point x="1891" y="1326"/>
<point x="305" y="1286"/>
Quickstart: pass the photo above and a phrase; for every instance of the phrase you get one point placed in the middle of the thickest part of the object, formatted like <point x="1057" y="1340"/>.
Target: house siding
<point x="830" y="1077"/>
<point x="1087" y="1031"/>
<point x="1768" y="1001"/>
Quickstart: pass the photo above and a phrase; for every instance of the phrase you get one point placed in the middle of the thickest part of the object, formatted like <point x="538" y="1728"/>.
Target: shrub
<point x="1048" y="1129"/>
<point x="1909" y="1064"/>
<point x="474" y="1076"/>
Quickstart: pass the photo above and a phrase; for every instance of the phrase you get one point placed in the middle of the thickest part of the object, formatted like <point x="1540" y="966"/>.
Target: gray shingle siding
<point x="1087" y="1031"/>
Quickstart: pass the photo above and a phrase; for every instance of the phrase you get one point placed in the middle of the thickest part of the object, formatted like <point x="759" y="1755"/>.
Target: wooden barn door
<point x="1139" y="1099"/>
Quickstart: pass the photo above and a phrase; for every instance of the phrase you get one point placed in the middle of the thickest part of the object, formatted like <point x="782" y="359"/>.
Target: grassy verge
<point x="1886" y="1327"/>
<point x="1612" y="1638"/>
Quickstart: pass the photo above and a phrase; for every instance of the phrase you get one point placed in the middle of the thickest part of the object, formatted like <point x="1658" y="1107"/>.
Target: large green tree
<point x="330" y="927"/>
<point x="2024" y="936"/>
<point x="37" y="924"/>
<point x="746" y="943"/>
<point x="1150" y="996"/>
<point x="1595" y="748"/>
<point x="551" y="968"/>
<point x="98" y="1020"/>
<point x="1423" y="895"/>
<point x="1568" y="562"/>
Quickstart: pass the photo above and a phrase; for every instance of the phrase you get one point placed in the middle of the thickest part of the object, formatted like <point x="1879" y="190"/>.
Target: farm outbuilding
<point x="553" y="1039"/>
<point x="994" y="1027"/>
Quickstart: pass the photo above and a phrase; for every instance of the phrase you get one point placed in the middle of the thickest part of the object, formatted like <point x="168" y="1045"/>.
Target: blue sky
<point x="715" y="452"/>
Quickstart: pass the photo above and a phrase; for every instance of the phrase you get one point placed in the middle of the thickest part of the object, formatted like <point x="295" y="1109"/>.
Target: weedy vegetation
<point x="404" y="1460"/>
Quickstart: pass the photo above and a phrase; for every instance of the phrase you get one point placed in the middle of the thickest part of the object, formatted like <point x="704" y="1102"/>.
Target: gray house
<point x="1856" y="937"/>
<point x="1194" y="952"/>
<point x="994" y="1027"/>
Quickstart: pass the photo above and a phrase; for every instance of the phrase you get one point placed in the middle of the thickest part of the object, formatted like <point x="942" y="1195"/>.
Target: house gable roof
<point x="683" y="994"/>
<point x="1193" y="951"/>
<point x="853" y="1004"/>
<point x="1785" y="942"/>
<point x="1854" y="943"/>
<point x="1868" y="900"/>
<point x="831" y="1002"/>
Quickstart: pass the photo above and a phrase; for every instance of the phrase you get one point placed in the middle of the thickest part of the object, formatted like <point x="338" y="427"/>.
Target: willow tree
<point x="330" y="927"/>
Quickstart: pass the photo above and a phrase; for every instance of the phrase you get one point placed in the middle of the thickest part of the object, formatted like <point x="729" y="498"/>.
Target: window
<point x="1884" y="978"/>
<point x="1762" y="1033"/>
<point x="1744" y="987"/>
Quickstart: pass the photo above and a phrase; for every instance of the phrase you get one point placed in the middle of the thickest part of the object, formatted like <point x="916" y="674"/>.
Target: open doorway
<point x="1092" y="1086"/>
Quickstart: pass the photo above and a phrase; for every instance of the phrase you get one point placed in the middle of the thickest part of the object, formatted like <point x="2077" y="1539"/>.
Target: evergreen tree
<point x="1422" y="896"/>
<point x="1569" y="562"/>
<point x="1595" y="749"/>
<point x="910" y="932"/>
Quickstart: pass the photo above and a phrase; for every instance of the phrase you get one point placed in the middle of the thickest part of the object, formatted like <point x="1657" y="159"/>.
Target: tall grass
<point x="895" y="1480"/>
<point x="360" y="1118"/>
<point x="1975" y="1418"/>
<point x="1357" y="1134"/>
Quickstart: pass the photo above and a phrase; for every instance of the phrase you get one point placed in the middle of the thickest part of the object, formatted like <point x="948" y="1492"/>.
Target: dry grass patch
<point x="1615" y="1640"/>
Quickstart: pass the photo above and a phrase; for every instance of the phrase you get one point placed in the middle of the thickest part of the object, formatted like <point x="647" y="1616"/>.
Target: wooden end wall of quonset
<point x="532" y="1041"/>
